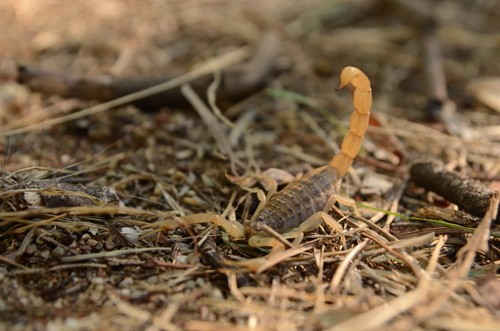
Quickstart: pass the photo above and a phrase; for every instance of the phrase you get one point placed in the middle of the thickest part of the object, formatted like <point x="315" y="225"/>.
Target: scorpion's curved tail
<point x="362" y="99"/>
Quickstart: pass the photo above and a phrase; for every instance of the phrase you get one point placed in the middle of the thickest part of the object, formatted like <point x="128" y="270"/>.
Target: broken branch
<point x="467" y="194"/>
<point x="237" y="83"/>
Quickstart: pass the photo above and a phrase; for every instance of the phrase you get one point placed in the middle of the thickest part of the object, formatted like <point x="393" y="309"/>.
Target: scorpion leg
<point x="320" y="217"/>
<point x="277" y="246"/>
<point x="346" y="201"/>
<point x="232" y="228"/>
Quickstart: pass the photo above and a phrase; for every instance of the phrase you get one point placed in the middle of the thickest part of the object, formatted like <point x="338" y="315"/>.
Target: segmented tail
<point x="362" y="99"/>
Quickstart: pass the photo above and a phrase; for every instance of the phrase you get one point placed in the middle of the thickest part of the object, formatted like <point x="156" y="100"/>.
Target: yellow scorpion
<point x="303" y="204"/>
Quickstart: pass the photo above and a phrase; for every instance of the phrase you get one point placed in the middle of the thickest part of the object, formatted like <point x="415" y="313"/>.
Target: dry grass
<point x="137" y="266"/>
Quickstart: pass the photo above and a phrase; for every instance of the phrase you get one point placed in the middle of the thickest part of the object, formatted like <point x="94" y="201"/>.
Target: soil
<point x="99" y="210"/>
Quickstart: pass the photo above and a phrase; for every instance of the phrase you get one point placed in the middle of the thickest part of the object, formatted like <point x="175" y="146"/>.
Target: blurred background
<point x="435" y="73"/>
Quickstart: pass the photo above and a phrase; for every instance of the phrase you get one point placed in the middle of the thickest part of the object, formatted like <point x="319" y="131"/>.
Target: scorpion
<point x="303" y="204"/>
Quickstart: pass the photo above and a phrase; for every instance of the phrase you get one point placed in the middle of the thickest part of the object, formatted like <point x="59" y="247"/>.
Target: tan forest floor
<point x="122" y="268"/>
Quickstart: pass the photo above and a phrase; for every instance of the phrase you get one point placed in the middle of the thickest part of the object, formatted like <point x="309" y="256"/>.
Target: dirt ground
<point x="108" y="201"/>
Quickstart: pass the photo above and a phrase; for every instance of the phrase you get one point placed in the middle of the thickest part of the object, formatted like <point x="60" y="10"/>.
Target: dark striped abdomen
<point x="297" y="202"/>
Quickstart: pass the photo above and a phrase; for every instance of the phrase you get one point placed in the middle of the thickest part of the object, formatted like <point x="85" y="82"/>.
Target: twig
<point x="375" y="318"/>
<point x="468" y="195"/>
<point x="449" y="215"/>
<point x="59" y="268"/>
<point x="437" y="91"/>
<point x="112" y="253"/>
<point x="6" y="260"/>
<point x="211" y="257"/>
<point x="237" y="82"/>
<point x="279" y="257"/>
<point x="465" y="258"/>
<point x="207" y="68"/>
<point x="213" y="125"/>
<point x="78" y="211"/>
<point x="439" y="106"/>
<point x="342" y="268"/>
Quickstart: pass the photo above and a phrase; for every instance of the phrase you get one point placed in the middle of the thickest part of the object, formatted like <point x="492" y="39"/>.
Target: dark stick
<point x="449" y="215"/>
<point x="434" y="70"/>
<point x="238" y="82"/>
<point x="211" y="257"/>
<point x="467" y="194"/>
<point x="439" y="106"/>
<point x="51" y="194"/>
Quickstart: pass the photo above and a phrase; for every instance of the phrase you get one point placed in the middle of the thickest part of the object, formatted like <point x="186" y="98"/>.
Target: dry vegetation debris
<point x="74" y="257"/>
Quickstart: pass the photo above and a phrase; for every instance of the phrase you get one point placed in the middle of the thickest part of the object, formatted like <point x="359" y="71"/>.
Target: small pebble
<point x="94" y="231"/>
<point x="181" y="259"/>
<point x="92" y="242"/>
<point x="45" y="254"/>
<point x="109" y="244"/>
<point x="58" y="251"/>
<point x="126" y="282"/>
<point x="31" y="249"/>
<point x="85" y="248"/>
<point x="153" y="279"/>
<point x="98" y="280"/>
<point x="99" y="246"/>
<point x="192" y="259"/>
<point x="130" y="233"/>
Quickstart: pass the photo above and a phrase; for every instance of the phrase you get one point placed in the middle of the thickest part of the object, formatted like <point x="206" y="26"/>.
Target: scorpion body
<point x="298" y="201"/>
<point x="292" y="210"/>
<point x="303" y="198"/>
